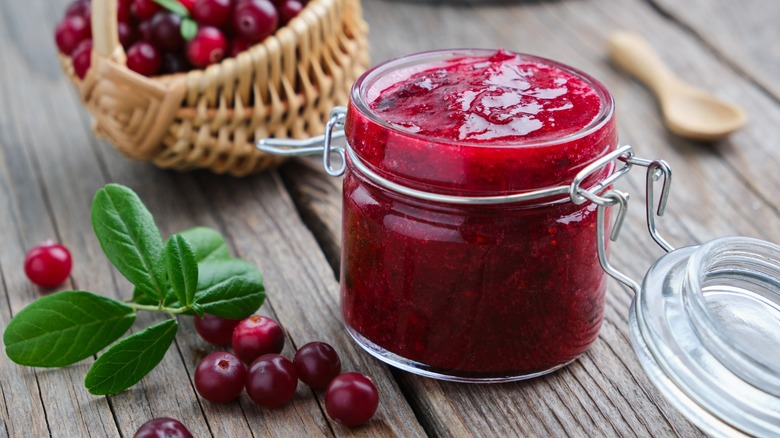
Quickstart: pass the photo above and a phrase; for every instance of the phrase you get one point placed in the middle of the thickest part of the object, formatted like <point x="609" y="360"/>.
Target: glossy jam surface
<point x="499" y="99"/>
<point x="450" y="153"/>
<point x="473" y="292"/>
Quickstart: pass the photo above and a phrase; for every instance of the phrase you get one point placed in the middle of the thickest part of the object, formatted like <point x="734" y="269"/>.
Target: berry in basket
<point x="171" y="36"/>
<point x="187" y="117"/>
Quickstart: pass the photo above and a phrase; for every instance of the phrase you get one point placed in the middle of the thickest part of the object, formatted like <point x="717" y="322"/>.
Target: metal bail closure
<point x="656" y="169"/>
<point x="321" y="144"/>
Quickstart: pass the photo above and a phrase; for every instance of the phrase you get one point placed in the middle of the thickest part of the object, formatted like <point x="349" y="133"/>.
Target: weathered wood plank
<point x="40" y="401"/>
<point x="606" y="391"/>
<point x="260" y="222"/>
<point x="50" y="166"/>
<point x="743" y="33"/>
<point x="302" y="289"/>
<point x="72" y="159"/>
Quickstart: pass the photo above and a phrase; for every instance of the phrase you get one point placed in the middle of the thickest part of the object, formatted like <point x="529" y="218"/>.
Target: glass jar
<point x="466" y="290"/>
<point x="482" y="262"/>
<point x="706" y="327"/>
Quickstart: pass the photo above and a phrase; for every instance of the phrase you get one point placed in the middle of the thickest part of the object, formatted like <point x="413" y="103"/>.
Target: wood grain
<point x="749" y="43"/>
<point x="288" y="223"/>
<point x="605" y="392"/>
<point x="37" y="164"/>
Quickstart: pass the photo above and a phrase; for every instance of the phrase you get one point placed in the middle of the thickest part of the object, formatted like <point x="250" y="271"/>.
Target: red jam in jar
<point x="459" y="291"/>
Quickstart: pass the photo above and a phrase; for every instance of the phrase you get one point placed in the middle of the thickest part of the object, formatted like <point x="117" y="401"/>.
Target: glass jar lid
<point x="706" y="327"/>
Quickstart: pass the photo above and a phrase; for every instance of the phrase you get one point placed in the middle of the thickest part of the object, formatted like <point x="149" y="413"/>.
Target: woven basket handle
<point x="133" y="111"/>
<point x="105" y="36"/>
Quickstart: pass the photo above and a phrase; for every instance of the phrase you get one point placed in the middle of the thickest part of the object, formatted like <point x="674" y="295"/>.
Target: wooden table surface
<point x="287" y="222"/>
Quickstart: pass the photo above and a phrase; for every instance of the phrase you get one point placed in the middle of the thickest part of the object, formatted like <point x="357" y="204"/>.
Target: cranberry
<point x="123" y="11"/>
<point x="162" y="428"/>
<point x="48" y="264"/>
<point x="256" y="336"/>
<point x="216" y="330"/>
<point x="166" y="31"/>
<point x="317" y="363"/>
<point x="255" y="19"/>
<point x="189" y="4"/>
<point x="177" y="63"/>
<point x="143" y="58"/>
<point x="126" y="34"/>
<point x="82" y="58"/>
<point x="144" y="9"/>
<point x="220" y="377"/>
<point x="81" y="8"/>
<point x="146" y="30"/>
<point x="272" y="380"/>
<point x="351" y="399"/>
<point x="70" y="32"/>
<point x="289" y="9"/>
<point x="238" y="45"/>
<point x="208" y="47"/>
<point x="211" y="12"/>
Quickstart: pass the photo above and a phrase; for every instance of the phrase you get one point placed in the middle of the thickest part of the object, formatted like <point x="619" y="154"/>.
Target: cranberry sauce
<point x="465" y="291"/>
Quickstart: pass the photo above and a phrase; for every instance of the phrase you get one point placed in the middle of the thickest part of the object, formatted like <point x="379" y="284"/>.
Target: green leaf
<point x="198" y="309"/>
<point x="64" y="328"/>
<point x="140" y="297"/>
<point x="230" y="288"/>
<point x="182" y="269"/>
<point x="129" y="360"/>
<point x="174" y="6"/>
<point x="188" y="29"/>
<point x="129" y="238"/>
<point x="207" y="244"/>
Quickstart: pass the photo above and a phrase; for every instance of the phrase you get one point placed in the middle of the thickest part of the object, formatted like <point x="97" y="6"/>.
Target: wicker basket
<point x="282" y="87"/>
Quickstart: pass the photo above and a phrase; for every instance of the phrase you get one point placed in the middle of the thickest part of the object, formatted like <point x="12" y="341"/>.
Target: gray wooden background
<point x="287" y="222"/>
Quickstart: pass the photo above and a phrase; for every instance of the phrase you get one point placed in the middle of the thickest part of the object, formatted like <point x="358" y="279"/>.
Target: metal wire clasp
<point x="656" y="169"/>
<point x="334" y="129"/>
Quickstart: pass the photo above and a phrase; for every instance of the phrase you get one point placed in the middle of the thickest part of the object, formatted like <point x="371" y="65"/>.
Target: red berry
<point x="255" y="19"/>
<point x="351" y="399"/>
<point x="144" y="9"/>
<point x="166" y="31"/>
<point x="126" y="34"/>
<point x="146" y="31"/>
<point x="211" y="12"/>
<point x="189" y="4"/>
<point x="82" y="58"/>
<point x="220" y="377"/>
<point x="272" y="380"/>
<point x="289" y="9"/>
<point x="162" y="428"/>
<point x="216" y="330"/>
<point x="256" y="336"/>
<point x="143" y="58"/>
<point x="81" y="8"/>
<point x="70" y="32"/>
<point x="177" y="63"/>
<point x="208" y="47"/>
<point x="317" y="363"/>
<point x="238" y="45"/>
<point x="48" y="264"/>
<point x="123" y="11"/>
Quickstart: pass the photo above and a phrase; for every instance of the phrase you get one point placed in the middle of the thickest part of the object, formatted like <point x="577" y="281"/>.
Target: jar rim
<point x="721" y="267"/>
<point x="359" y="92"/>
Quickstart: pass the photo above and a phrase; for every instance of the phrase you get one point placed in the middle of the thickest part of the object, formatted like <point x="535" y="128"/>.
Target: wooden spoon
<point x="688" y="111"/>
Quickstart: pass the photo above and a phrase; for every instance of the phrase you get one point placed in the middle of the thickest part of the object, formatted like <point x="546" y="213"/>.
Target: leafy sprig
<point x="191" y="273"/>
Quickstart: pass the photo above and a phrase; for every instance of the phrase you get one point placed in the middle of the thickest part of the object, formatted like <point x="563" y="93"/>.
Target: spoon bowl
<point x="688" y="111"/>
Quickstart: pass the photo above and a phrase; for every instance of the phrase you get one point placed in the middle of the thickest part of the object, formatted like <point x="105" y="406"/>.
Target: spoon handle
<point x="633" y="54"/>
